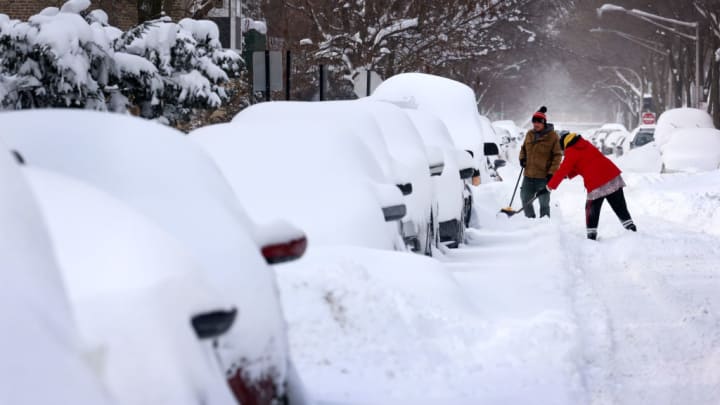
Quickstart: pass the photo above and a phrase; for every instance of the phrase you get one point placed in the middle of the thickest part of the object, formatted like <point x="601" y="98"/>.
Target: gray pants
<point x="527" y="192"/>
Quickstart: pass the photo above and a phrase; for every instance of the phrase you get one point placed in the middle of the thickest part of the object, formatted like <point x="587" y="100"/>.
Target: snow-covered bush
<point x="69" y="58"/>
<point x="53" y="60"/>
<point x="189" y="60"/>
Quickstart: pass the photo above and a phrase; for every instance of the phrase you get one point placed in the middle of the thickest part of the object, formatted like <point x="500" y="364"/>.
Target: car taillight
<point x="260" y="392"/>
<point x="285" y="252"/>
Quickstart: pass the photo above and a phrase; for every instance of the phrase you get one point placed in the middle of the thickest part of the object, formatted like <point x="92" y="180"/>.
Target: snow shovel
<point x="510" y="212"/>
<point x="517" y="183"/>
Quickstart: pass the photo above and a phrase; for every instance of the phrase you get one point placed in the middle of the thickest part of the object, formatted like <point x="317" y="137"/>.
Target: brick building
<point x="122" y="13"/>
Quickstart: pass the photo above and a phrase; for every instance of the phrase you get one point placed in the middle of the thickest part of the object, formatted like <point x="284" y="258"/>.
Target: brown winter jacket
<point x="542" y="152"/>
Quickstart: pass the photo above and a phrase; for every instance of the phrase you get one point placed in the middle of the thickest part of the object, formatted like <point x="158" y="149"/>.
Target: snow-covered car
<point x="450" y="188"/>
<point x="493" y="160"/>
<point x="165" y="177"/>
<point x="516" y="134"/>
<point x="358" y="123"/>
<point x="310" y="173"/>
<point x="642" y="135"/>
<point x="691" y="150"/>
<point x="137" y="296"/>
<point x="606" y="137"/>
<point x="406" y="145"/>
<point x="43" y="361"/>
<point x="614" y="141"/>
<point x="451" y="101"/>
<point x="678" y="118"/>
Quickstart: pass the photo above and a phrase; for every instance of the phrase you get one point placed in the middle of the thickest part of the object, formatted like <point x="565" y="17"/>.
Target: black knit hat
<point x="540" y="115"/>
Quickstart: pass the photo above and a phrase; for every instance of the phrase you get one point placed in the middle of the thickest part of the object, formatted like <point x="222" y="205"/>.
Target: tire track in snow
<point x="664" y="322"/>
<point x="516" y="273"/>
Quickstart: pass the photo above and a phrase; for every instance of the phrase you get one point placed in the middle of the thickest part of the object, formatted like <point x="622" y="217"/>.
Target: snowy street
<point x="632" y="318"/>
<point x="263" y="202"/>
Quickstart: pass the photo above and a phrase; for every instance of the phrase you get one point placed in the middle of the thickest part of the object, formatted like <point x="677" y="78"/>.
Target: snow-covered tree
<point x="55" y="59"/>
<point x="69" y="58"/>
<point x="400" y="35"/>
<point x="183" y="66"/>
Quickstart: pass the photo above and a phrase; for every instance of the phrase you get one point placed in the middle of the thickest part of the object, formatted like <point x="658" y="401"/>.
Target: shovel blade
<point x="508" y="211"/>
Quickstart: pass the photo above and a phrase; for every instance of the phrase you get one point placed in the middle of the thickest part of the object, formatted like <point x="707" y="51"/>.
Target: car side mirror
<point x="211" y="325"/>
<point x="394" y="212"/>
<point x="467" y="173"/>
<point x="490" y="149"/>
<point x="500" y="163"/>
<point x="405" y="189"/>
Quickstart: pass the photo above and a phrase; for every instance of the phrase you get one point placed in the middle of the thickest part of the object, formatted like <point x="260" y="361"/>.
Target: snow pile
<point x="59" y="59"/>
<point x="645" y="159"/>
<point x="679" y="118"/>
<point x="690" y="200"/>
<point x="692" y="149"/>
<point x="401" y="327"/>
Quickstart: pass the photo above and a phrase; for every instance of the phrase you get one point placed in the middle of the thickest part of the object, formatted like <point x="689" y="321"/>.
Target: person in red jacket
<point x="603" y="181"/>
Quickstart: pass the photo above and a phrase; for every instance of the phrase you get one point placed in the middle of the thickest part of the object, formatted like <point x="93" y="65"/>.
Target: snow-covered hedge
<point x="67" y="57"/>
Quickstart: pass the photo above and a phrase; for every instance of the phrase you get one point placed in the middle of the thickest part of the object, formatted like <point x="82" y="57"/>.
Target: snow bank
<point x="369" y="326"/>
<point x="645" y="159"/>
<point x="692" y="149"/>
<point x="678" y="118"/>
<point x="689" y="200"/>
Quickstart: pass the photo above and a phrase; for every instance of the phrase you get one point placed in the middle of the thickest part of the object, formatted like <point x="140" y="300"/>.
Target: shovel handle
<point x="517" y="183"/>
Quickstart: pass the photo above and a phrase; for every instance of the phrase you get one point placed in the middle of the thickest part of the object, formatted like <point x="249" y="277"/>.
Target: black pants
<point x="618" y="204"/>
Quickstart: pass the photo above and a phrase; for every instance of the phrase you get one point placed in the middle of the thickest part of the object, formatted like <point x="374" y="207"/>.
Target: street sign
<point x="260" y="71"/>
<point x="366" y="82"/>
<point x="648" y="118"/>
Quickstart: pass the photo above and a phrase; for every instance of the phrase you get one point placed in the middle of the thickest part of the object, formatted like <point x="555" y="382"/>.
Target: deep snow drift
<point x="528" y="312"/>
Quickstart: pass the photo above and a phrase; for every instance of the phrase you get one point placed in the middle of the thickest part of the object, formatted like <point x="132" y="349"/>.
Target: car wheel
<point x="429" y="235"/>
<point x="468" y="211"/>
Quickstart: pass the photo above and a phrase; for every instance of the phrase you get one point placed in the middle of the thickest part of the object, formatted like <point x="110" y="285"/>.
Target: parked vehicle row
<point x="684" y="139"/>
<point x="166" y="275"/>
<point x="410" y="147"/>
<point x="161" y="276"/>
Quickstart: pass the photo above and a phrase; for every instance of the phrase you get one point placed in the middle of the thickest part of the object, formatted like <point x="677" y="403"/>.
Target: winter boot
<point x="592" y="234"/>
<point x="630" y="225"/>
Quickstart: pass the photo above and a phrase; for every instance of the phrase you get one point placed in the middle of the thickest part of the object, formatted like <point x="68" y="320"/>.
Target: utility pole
<point x="233" y="23"/>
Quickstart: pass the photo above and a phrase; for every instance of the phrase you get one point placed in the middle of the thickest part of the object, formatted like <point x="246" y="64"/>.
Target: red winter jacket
<point x="584" y="159"/>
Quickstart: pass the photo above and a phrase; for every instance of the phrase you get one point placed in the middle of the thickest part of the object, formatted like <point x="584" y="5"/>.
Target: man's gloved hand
<point x="523" y="162"/>
<point x="542" y="191"/>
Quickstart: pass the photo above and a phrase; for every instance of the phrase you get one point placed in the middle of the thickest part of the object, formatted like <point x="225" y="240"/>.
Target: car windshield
<point x="643" y="138"/>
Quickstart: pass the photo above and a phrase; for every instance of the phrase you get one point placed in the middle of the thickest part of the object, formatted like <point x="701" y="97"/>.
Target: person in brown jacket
<point x="540" y="156"/>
